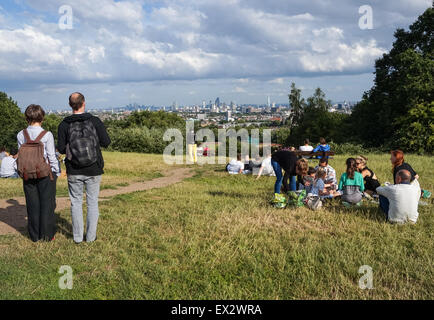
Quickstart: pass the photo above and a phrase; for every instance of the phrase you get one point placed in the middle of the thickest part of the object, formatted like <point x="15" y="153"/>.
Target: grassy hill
<point x="215" y="236"/>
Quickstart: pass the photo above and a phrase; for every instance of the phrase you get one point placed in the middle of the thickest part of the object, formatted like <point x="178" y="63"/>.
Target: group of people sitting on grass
<point x="399" y="201"/>
<point x="263" y="167"/>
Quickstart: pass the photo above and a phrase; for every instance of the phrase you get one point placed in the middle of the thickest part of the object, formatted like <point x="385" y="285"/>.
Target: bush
<point x="139" y="139"/>
<point x="350" y="148"/>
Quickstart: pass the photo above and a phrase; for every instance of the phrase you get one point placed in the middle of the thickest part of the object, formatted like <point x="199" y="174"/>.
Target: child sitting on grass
<point x="306" y="182"/>
<point x="320" y="188"/>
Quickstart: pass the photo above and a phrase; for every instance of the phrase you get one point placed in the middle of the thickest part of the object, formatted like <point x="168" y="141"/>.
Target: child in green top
<point x="351" y="183"/>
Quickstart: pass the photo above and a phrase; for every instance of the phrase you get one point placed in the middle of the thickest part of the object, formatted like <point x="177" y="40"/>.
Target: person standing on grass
<point x="39" y="183"/>
<point x="400" y="201"/>
<point x="81" y="137"/>
<point x="288" y="161"/>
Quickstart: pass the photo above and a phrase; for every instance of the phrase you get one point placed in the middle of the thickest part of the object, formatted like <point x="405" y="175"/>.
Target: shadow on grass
<point x="15" y="216"/>
<point x="366" y="210"/>
<point x="229" y="194"/>
<point x="63" y="226"/>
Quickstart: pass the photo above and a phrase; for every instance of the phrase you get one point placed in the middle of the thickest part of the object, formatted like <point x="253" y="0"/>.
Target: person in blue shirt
<point x="322" y="147"/>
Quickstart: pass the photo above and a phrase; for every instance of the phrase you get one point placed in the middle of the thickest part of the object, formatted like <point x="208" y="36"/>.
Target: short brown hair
<point x="76" y="100"/>
<point x="322" y="140"/>
<point x="34" y="113"/>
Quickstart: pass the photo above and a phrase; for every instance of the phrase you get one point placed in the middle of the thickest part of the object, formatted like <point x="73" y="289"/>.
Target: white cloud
<point x="277" y="81"/>
<point x="242" y="41"/>
<point x="342" y="57"/>
<point x="239" y="90"/>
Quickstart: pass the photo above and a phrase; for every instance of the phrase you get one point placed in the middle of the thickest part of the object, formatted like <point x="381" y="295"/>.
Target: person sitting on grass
<point x="369" y="178"/>
<point x="351" y="184"/>
<point x="322" y="147"/>
<point x="9" y="166"/>
<point x="3" y="153"/>
<point x="306" y="182"/>
<point x="398" y="163"/>
<point x="330" y="178"/>
<point x="400" y="201"/>
<point x="320" y="187"/>
<point x="235" y="166"/>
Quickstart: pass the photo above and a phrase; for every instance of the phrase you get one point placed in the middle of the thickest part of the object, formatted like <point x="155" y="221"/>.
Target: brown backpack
<point x="31" y="162"/>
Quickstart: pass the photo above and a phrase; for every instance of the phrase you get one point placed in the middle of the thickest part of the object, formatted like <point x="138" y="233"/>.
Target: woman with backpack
<point x="38" y="166"/>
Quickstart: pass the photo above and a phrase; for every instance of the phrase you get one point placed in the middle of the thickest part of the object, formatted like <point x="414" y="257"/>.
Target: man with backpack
<point x="81" y="137"/>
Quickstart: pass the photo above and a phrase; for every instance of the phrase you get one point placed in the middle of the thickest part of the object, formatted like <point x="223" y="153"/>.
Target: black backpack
<point x="83" y="143"/>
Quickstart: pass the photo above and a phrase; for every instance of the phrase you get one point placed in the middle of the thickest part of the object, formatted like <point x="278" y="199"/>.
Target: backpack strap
<point x="41" y="135"/>
<point x="26" y="136"/>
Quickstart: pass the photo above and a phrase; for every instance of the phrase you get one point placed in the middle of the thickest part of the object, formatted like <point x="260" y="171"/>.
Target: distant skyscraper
<point x="268" y="101"/>
<point x="217" y="102"/>
<point x="228" y="115"/>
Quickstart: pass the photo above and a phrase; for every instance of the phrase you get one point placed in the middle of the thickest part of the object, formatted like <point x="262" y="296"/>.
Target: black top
<point x="404" y="166"/>
<point x="370" y="183"/>
<point x="95" y="169"/>
<point x="287" y="161"/>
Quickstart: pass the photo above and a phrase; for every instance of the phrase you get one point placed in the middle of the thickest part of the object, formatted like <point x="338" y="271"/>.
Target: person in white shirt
<point x="306" y="146"/>
<point x="400" y="201"/>
<point x="9" y="166"/>
<point x="235" y="166"/>
<point x="3" y="153"/>
<point x="266" y="168"/>
<point x="40" y="193"/>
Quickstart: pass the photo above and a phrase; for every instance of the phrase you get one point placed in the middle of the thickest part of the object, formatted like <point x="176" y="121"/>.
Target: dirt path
<point x="13" y="214"/>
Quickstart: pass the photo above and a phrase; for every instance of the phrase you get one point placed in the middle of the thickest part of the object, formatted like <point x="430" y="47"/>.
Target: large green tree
<point x="317" y="121"/>
<point x="11" y="121"/>
<point x="398" y="112"/>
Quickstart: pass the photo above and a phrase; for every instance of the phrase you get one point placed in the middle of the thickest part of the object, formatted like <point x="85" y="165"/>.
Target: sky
<point x="155" y="52"/>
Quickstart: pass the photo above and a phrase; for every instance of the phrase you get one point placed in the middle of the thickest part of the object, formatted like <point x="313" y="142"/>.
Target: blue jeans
<point x="75" y="186"/>
<point x="14" y="176"/>
<point x="384" y="205"/>
<point x="279" y="178"/>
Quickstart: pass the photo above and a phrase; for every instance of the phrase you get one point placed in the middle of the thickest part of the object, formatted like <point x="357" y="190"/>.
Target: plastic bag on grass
<point x="296" y="198"/>
<point x="279" y="201"/>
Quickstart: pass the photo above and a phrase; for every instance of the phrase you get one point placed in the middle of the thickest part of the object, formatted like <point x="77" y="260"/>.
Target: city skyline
<point x="155" y="52"/>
